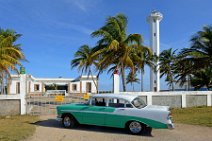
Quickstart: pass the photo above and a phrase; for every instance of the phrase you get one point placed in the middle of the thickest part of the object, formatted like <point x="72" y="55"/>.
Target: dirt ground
<point x="48" y="129"/>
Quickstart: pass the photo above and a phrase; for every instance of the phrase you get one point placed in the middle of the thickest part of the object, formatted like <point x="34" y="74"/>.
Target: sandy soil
<point x="48" y="129"/>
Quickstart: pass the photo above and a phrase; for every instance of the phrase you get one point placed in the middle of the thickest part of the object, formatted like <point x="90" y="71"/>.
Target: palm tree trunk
<point x="2" y="83"/>
<point x="123" y="78"/>
<point x="142" y="81"/>
<point x="189" y="82"/>
<point x="97" y="77"/>
<point x="93" y="80"/>
<point x="172" y="86"/>
<point x="133" y="87"/>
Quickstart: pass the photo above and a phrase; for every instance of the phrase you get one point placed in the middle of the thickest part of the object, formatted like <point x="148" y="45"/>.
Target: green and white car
<point x="116" y="110"/>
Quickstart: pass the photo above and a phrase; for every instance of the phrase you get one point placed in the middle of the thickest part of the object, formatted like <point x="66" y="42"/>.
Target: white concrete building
<point x="39" y="86"/>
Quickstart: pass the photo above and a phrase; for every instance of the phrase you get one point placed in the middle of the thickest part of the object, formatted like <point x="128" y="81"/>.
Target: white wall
<point x="93" y="87"/>
<point x="32" y="87"/>
<point x="31" y="83"/>
<point x="13" y="86"/>
<point x="78" y="87"/>
<point x="187" y="97"/>
<point x="14" y="82"/>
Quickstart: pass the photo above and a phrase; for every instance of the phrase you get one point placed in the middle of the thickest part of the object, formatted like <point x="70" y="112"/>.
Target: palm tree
<point x="167" y="65"/>
<point x="117" y="48"/>
<point x="196" y="58"/>
<point x="10" y="54"/>
<point x="145" y="57"/>
<point x="200" y="52"/>
<point x="53" y="87"/>
<point x="202" y="78"/>
<point x="131" y="78"/>
<point x="84" y="61"/>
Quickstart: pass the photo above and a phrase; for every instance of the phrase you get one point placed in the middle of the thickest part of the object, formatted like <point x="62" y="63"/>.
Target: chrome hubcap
<point x="67" y="121"/>
<point x="135" y="127"/>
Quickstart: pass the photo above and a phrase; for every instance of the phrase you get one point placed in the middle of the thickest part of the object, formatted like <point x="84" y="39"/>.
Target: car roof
<point x="128" y="97"/>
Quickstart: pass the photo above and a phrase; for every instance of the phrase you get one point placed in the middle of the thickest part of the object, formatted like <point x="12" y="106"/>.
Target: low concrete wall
<point x="172" y="101"/>
<point x="196" y="100"/>
<point x="176" y="99"/>
<point x="10" y="105"/>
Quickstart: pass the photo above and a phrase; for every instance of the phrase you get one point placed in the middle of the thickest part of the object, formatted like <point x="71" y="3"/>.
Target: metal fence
<point x="46" y="105"/>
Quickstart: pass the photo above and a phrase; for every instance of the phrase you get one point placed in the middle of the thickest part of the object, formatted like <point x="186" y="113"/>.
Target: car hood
<point x="156" y="107"/>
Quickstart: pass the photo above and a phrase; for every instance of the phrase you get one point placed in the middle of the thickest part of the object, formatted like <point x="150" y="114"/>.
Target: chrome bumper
<point x="170" y="126"/>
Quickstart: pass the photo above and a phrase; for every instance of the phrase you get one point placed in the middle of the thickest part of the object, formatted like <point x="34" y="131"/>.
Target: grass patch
<point x="195" y="115"/>
<point x="15" y="128"/>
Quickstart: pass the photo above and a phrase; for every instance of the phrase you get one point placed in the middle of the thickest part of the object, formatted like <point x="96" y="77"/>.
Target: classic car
<point x="116" y="110"/>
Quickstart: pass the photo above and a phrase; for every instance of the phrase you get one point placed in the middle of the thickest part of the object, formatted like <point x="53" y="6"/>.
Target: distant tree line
<point x="116" y="50"/>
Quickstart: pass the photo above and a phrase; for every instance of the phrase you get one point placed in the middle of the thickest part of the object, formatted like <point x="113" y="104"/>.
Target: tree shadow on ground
<point x="53" y="123"/>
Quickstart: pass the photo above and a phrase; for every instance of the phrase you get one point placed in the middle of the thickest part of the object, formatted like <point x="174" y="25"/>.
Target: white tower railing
<point x="154" y="20"/>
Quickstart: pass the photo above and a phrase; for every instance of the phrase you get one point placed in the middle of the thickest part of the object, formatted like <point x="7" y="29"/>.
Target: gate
<point x="46" y="105"/>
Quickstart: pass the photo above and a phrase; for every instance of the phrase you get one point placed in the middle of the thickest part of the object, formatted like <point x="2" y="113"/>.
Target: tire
<point x="69" y="121"/>
<point x="135" y="127"/>
<point x="148" y="131"/>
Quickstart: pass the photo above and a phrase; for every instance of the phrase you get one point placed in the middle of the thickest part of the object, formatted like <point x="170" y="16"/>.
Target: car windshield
<point x="138" y="103"/>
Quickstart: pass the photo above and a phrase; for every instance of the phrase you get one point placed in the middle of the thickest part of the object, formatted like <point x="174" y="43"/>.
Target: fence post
<point x="149" y="99"/>
<point x="184" y="101"/>
<point x="116" y="82"/>
<point x="209" y="100"/>
<point x="23" y="90"/>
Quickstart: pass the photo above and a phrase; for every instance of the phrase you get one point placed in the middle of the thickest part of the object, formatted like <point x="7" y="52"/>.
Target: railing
<point x="43" y="105"/>
<point x="55" y="92"/>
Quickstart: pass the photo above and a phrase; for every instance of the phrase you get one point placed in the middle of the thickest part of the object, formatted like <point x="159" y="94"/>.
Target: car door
<point x="95" y="114"/>
<point x="120" y="115"/>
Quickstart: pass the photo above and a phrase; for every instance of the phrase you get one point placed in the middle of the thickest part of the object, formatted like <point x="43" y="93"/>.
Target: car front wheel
<point x="68" y="121"/>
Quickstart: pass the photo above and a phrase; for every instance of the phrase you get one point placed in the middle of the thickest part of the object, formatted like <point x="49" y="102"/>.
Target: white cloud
<point x="75" y="27"/>
<point x="84" y="5"/>
<point x="81" y="5"/>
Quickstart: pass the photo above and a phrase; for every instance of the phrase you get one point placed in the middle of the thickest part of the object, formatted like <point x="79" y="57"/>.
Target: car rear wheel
<point x="148" y="131"/>
<point x="135" y="127"/>
<point x="68" y="121"/>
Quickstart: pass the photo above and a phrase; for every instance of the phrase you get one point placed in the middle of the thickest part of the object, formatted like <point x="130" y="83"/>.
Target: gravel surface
<point x="48" y="129"/>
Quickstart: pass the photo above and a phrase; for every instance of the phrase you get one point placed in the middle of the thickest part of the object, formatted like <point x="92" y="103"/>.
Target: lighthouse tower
<point x="154" y="20"/>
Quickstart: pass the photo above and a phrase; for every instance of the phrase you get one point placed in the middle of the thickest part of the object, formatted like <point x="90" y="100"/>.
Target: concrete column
<point x="80" y="86"/>
<point x="23" y="91"/>
<point x="209" y="100"/>
<point x="149" y="99"/>
<point x="29" y="87"/>
<point x="69" y="88"/>
<point x="116" y="82"/>
<point x="184" y="101"/>
<point x="43" y="88"/>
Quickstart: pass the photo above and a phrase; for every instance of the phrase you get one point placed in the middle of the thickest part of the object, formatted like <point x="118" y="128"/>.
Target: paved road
<point x="48" y="129"/>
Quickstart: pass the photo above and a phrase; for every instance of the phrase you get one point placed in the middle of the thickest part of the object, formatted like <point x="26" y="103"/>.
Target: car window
<point x="119" y="103"/>
<point x="128" y="105"/>
<point x="98" y="102"/>
<point x="138" y="103"/>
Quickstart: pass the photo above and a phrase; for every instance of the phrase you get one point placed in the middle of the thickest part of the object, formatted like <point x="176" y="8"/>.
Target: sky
<point x="53" y="30"/>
